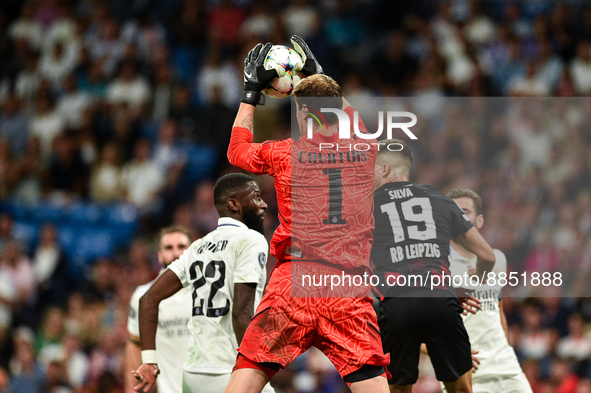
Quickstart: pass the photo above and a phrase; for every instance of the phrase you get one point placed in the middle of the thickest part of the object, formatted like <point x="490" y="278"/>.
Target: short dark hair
<point x="172" y="229"/>
<point x="405" y="152"/>
<point x="319" y="91"/>
<point x="465" y="193"/>
<point x="227" y="186"/>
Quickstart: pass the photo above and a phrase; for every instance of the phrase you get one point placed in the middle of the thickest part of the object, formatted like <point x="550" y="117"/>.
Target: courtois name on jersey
<point x="484" y="328"/>
<point x="413" y="227"/>
<point x="211" y="266"/>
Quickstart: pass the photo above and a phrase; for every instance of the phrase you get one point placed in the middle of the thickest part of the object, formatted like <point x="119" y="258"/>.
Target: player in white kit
<point x="173" y="317"/>
<point x="499" y="370"/>
<point x="226" y="270"/>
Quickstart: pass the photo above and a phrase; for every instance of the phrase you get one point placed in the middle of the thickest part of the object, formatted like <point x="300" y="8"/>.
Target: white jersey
<point x="230" y="254"/>
<point x="172" y="335"/>
<point x="484" y="328"/>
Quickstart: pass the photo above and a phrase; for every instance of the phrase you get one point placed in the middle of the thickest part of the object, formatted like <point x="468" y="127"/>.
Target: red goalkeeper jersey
<point x="324" y="191"/>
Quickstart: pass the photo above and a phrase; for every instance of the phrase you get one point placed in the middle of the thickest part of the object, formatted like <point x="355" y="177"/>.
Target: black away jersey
<point x="414" y="224"/>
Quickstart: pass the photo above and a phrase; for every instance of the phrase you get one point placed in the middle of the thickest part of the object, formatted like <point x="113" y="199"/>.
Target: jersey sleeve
<point x="460" y="223"/>
<point x="252" y="157"/>
<point x="180" y="267"/>
<point x="251" y="258"/>
<point x="133" y="325"/>
<point x="500" y="265"/>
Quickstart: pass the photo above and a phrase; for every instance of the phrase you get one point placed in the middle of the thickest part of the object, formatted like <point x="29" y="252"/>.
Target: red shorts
<point x="284" y="327"/>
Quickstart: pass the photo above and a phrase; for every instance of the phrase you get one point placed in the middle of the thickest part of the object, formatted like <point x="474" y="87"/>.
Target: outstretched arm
<point x="245" y="116"/>
<point x="241" y="139"/>
<point x="256" y="78"/>
<point x="165" y="286"/>
<point x="473" y="241"/>
<point x="133" y="359"/>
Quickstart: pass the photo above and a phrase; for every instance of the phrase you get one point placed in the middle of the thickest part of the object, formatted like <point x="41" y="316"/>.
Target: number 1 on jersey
<point x="335" y="197"/>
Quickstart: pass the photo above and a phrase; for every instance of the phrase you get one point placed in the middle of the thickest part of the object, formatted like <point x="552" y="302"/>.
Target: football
<point x="287" y="58"/>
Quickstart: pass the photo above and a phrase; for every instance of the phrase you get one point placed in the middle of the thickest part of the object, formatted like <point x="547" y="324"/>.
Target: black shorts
<point x="406" y="322"/>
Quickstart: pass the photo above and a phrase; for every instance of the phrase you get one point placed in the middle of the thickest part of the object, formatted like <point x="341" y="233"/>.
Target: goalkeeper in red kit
<point x="325" y="201"/>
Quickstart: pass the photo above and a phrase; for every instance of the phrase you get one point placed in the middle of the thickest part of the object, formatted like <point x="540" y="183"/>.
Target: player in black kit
<point x="413" y="227"/>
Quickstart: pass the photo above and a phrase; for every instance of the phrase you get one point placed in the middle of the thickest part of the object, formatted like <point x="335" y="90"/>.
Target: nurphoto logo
<point x="345" y="123"/>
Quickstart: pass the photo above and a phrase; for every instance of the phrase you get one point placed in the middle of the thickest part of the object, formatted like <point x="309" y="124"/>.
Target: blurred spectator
<point x="189" y="32"/>
<point x="6" y="230"/>
<point x="344" y="27"/>
<point x="62" y="29"/>
<point x="26" y="373"/>
<point x="47" y="123"/>
<point x="101" y="286"/>
<point x="93" y="83"/>
<point x="59" y="62"/>
<point x="47" y="12"/>
<point x="204" y="215"/>
<point x="7" y="300"/>
<point x="215" y="123"/>
<point x="8" y="170"/>
<point x="27" y="28"/>
<point x="577" y="345"/>
<point x="142" y="177"/>
<point x="106" y="357"/>
<point x="163" y="91"/>
<point x="301" y="18"/>
<point x="509" y="64"/>
<point x="580" y="68"/>
<point x="183" y="215"/>
<point x="129" y="88"/>
<point x="14" y="125"/>
<point x="28" y="190"/>
<point x="67" y="174"/>
<point x="19" y="268"/>
<point x="76" y="359"/>
<point x="50" y="267"/>
<point x="219" y="77"/>
<point x="563" y="377"/>
<point x="105" y="180"/>
<point x="260" y="23"/>
<point x="51" y="331"/>
<point x="549" y="65"/>
<point x="224" y="22"/>
<point x="183" y="110"/>
<point x="138" y="257"/>
<point x="480" y="29"/>
<point x="565" y="233"/>
<point x="105" y="46"/>
<point x="56" y="376"/>
<point x="534" y="342"/>
<point x="73" y="103"/>
<point x="28" y="80"/>
<point x="145" y="33"/>
<point x="169" y="154"/>
<point x="528" y="84"/>
<point x="543" y="257"/>
<point x="393" y="64"/>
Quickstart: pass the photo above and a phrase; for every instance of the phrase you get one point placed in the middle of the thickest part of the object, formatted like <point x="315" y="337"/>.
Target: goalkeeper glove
<point x="256" y="77"/>
<point x="310" y="65"/>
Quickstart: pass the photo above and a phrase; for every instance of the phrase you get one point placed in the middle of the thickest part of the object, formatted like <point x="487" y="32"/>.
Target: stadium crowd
<point x="130" y="104"/>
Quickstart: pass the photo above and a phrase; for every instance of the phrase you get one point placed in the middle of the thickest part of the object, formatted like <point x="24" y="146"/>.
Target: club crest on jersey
<point x="262" y="259"/>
